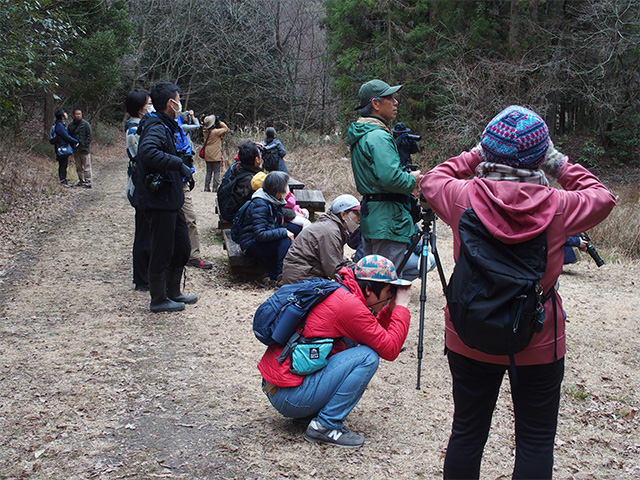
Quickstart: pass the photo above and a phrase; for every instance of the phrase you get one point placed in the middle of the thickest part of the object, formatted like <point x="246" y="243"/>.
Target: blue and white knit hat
<point x="516" y="137"/>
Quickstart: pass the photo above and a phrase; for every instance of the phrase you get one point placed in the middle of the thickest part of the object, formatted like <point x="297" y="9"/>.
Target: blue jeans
<point x="332" y="392"/>
<point x="535" y="397"/>
<point x="273" y="251"/>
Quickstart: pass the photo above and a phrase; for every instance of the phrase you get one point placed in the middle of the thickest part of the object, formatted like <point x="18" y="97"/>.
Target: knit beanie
<point x="516" y="137"/>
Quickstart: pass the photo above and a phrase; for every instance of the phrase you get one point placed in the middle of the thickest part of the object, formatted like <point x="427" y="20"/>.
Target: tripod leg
<point x="423" y="300"/>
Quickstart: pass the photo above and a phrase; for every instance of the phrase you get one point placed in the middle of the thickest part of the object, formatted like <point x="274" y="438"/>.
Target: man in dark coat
<point x="81" y="129"/>
<point x="161" y="174"/>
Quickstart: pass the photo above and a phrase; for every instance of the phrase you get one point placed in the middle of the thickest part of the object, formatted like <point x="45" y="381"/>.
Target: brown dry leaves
<point x="94" y="386"/>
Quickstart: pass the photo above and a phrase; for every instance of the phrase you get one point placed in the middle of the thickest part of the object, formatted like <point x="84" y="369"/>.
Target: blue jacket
<point x="262" y="221"/>
<point x="63" y="137"/>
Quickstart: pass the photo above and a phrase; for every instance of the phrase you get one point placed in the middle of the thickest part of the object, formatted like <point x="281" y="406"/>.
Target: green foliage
<point x="590" y="154"/>
<point x="33" y="35"/>
<point x="94" y="70"/>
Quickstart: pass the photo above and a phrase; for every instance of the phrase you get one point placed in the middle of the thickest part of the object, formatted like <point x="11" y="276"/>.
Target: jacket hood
<point x="260" y="193"/>
<point x="363" y="126"/>
<point x="349" y="281"/>
<point x="513" y="212"/>
<point x="332" y="217"/>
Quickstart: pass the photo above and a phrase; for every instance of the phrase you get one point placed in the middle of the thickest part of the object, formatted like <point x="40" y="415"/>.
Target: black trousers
<point x="141" y="249"/>
<point x="169" y="244"/>
<point x="63" y="163"/>
<point x="536" y="398"/>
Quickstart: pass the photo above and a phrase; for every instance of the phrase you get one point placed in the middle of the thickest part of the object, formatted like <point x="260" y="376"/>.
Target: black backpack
<point x="53" y="136"/>
<point x="228" y="203"/>
<point x="271" y="157"/>
<point x="495" y="294"/>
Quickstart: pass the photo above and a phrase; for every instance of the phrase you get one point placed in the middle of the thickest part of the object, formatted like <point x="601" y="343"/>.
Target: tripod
<point x="426" y="234"/>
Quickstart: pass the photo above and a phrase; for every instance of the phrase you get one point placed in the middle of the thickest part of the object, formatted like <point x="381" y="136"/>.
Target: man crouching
<point x="370" y="312"/>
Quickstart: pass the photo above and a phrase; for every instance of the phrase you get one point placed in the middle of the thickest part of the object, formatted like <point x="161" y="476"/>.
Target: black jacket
<point x="82" y="131"/>
<point x="157" y="154"/>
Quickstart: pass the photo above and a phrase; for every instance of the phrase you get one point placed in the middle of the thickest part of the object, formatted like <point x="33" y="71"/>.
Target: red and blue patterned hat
<point x="516" y="137"/>
<point x="378" y="269"/>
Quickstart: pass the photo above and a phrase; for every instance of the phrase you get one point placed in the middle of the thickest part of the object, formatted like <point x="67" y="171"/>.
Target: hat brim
<point x="386" y="93"/>
<point x="401" y="282"/>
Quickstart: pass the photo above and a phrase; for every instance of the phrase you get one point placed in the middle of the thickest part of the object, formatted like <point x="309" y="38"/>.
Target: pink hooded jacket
<point x="515" y="212"/>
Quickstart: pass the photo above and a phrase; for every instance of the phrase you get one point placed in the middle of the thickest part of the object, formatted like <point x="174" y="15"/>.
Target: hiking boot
<point x="200" y="263"/>
<point x="173" y="288"/>
<point x="341" y="437"/>
<point x="159" y="300"/>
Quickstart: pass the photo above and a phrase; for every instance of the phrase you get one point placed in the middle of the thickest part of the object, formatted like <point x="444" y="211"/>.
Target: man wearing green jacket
<point x="386" y="222"/>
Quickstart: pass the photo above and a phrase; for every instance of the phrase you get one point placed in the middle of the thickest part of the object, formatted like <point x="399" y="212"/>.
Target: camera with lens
<point x="154" y="181"/>
<point x="591" y="250"/>
<point x="216" y="123"/>
<point x="415" y="138"/>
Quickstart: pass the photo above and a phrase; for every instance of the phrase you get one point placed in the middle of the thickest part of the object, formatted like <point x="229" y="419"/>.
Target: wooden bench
<point x="312" y="200"/>
<point x="295" y="184"/>
<point x="239" y="264"/>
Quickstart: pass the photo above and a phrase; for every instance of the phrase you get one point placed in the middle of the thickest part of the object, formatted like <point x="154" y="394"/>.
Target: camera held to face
<point x="415" y="138"/>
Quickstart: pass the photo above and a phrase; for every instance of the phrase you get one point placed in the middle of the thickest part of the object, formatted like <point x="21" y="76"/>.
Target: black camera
<point x="415" y="138"/>
<point x="410" y="167"/>
<point x="154" y="181"/>
<point x="187" y="158"/>
<point x="216" y="123"/>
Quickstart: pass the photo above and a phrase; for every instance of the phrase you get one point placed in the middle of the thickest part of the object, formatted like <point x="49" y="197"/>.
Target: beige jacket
<point x="214" y="138"/>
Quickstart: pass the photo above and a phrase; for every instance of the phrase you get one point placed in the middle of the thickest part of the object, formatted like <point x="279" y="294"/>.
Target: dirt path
<point x="94" y="386"/>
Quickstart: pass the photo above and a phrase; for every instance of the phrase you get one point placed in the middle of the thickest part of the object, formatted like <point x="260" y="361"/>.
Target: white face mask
<point x="350" y="223"/>
<point x="179" y="104"/>
<point x="151" y="109"/>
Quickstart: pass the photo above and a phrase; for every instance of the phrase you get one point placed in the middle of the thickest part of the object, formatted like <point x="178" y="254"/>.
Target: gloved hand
<point x="554" y="161"/>
<point x="185" y="172"/>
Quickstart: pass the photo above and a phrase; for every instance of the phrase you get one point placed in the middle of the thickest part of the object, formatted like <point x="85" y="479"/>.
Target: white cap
<point x="344" y="202"/>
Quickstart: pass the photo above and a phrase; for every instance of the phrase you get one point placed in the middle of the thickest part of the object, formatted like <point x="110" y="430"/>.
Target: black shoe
<point x="142" y="288"/>
<point x="86" y="185"/>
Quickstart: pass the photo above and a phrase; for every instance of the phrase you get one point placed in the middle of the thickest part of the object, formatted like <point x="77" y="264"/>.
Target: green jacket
<point x="376" y="168"/>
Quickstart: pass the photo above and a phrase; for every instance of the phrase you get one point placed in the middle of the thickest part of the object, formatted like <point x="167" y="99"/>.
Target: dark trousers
<point x="536" y="398"/>
<point x="168" y="241"/>
<point x="273" y="252"/>
<point x="63" y="162"/>
<point x="141" y="249"/>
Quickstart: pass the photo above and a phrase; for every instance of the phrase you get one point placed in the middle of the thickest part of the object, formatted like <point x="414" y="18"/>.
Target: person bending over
<point x="372" y="312"/>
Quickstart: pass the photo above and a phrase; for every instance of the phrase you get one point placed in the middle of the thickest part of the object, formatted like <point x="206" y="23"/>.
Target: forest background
<point x="298" y="65"/>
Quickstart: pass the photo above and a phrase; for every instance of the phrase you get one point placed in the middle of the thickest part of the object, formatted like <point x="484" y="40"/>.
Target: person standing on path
<point x="64" y="145"/>
<point x="386" y="223"/>
<point x="81" y="129"/>
<point x="161" y="173"/>
<point x="510" y="196"/>
<point x="213" y="131"/>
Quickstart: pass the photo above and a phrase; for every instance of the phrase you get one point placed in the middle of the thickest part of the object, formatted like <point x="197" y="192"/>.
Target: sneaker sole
<point x="326" y="442"/>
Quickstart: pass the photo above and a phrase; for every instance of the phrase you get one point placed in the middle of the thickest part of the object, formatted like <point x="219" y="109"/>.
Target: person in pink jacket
<point x="512" y="198"/>
<point x="371" y="312"/>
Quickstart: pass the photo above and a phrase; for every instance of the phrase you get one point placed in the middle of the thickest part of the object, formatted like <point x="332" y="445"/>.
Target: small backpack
<point x="277" y="319"/>
<point x="494" y="295"/>
<point x="53" y="136"/>
<point x="236" y="228"/>
<point x="271" y="157"/>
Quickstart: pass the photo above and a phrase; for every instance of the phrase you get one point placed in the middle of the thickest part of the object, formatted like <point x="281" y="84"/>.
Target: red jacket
<point x="515" y="212"/>
<point x="343" y="314"/>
